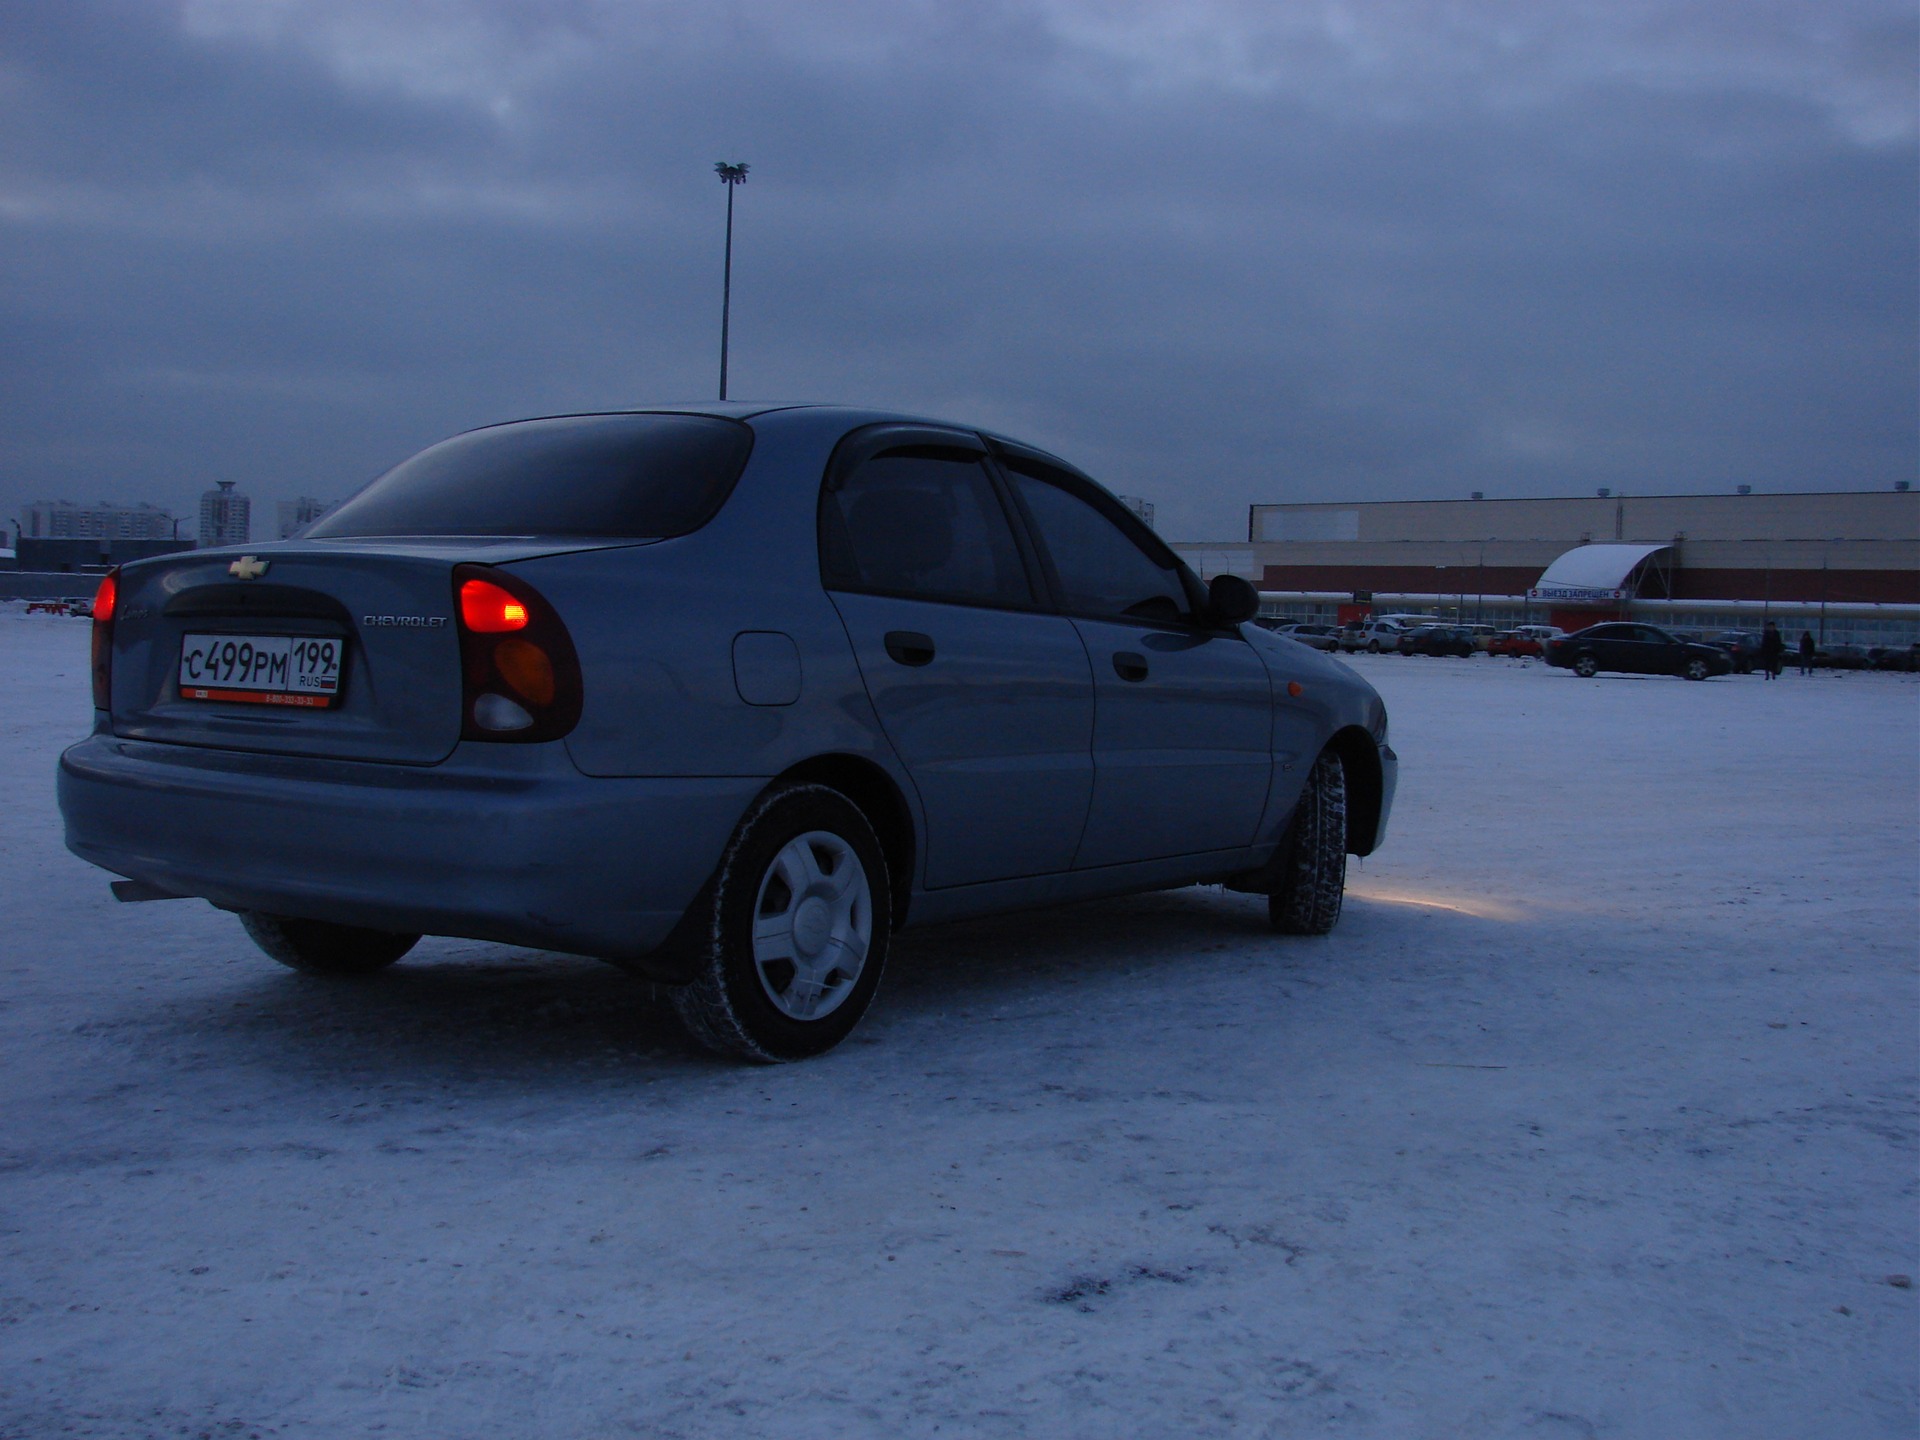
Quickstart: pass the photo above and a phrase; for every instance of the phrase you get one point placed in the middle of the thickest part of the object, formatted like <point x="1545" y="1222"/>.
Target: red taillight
<point x="488" y="609"/>
<point x="103" y="603"/>
<point x="521" y="677"/>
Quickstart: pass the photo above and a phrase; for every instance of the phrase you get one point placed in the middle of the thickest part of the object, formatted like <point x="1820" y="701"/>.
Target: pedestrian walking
<point x="1772" y="647"/>
<point x="1806" y="652"/>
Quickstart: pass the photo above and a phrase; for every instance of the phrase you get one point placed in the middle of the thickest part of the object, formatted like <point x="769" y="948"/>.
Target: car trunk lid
<point x="393" y="692"/>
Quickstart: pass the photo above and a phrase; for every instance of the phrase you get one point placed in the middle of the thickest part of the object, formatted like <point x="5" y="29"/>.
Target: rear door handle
<point x="910" y="647"/>
<point x="1129" y="665"/>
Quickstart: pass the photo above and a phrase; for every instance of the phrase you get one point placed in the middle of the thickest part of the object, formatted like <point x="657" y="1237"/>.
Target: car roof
<point x="854" y="415"/>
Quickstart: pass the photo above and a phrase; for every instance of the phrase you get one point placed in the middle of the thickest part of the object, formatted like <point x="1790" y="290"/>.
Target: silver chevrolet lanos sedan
<point x="723" y="694"/>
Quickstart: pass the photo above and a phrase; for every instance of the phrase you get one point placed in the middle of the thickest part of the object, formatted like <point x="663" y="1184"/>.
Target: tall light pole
<point x="730" y="175"/>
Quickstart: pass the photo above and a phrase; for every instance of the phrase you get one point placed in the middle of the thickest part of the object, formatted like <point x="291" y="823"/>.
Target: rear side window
<point x="925" y="523"/>
<point x="594" y="475"/>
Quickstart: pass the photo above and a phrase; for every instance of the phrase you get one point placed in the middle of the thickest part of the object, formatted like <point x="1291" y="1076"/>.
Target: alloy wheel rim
<point x="812" y="925"/>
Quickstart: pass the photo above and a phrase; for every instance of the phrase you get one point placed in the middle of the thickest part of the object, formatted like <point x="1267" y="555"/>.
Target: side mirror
<point x="1232" y="599"/>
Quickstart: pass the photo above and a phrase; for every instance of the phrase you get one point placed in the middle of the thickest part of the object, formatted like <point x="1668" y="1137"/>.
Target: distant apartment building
<point x="1142" y="508"/>
<point x="225" y="516"/>
<point x="300" y="513"/>
<point x="64" y="520"/>
<point x="61" y="536"/>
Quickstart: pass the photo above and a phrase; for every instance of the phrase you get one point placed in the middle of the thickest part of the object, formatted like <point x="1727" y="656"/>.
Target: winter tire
<point x="1696" y="669"/>
<point x="792" y="932"/>
<point x="1312" y="877"/>
<point x="1586" y="667"/>
<point x="320" y="947"/>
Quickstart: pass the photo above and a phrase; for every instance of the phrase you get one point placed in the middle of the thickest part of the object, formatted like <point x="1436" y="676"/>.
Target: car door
<point x="1665" y="654"/>
<point x="1640" y="650"/>
<point x="1183" y="712"/>
<point x="1612" y="648"/>
<point x="985" y="695"/>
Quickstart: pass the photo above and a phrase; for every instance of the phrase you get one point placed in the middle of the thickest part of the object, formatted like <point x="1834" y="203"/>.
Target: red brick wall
<point x="1836" y="587"/>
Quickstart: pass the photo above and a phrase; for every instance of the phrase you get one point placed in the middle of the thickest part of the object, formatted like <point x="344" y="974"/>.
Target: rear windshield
<point x="600" y="475"/>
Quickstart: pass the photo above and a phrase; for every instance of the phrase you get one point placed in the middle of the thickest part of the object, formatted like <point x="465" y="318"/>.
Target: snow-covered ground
<point x="1594" y="1117"/>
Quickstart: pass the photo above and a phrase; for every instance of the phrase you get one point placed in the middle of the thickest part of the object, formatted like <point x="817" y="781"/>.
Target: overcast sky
<point x="1214" y="251"/>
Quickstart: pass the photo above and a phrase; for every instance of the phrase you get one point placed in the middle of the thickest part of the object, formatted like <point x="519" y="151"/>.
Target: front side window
<point x="1100" y="569"/>
<point x="639" y="476"/>
<point x="925" y="523"/>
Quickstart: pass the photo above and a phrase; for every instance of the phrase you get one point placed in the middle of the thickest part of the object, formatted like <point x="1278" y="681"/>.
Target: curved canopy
<point x="1593" y="572"/>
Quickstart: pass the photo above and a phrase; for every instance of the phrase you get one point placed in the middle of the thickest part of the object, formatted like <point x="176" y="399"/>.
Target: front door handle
<point x="1129" y="665"/>
<point x="910" y="647"/>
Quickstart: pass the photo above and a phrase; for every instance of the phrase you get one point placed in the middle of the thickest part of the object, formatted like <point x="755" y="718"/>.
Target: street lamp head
<point x="731" y="174"/>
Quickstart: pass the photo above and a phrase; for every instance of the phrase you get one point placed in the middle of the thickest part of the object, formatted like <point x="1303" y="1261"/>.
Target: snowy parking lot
<point x="1595" y="1117"/>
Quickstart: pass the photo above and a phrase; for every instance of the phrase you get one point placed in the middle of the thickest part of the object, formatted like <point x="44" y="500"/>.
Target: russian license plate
<point x="261" y="669"/>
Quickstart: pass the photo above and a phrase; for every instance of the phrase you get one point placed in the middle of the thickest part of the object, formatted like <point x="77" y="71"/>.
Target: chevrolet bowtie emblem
<point x="247" y="568"/>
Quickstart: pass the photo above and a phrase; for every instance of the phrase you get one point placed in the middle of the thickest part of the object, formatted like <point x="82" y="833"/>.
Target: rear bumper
<point x="508" y="843"/>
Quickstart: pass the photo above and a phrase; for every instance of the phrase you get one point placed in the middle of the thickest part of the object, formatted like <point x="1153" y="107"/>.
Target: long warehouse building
<point x="1845" y="564"/>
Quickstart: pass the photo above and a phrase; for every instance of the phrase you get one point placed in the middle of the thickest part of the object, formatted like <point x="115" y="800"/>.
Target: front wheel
<point x="1586" y="667"/>
<point x="792" y="931"/>
<point x="1312" y="878"/>
<point x="320" y="947"/>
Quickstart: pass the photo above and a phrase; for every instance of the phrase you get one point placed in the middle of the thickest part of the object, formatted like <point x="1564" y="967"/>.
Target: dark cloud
<point x="1218" y="257"/>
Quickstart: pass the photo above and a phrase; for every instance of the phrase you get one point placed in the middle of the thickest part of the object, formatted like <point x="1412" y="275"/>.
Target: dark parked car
<point x="724" y="695"/>
<point x="1744" y="647"/>
<point x="1894" y="657"/>
<point x="1438" y="640"/>
<point x="1842" y="656"/>
<point x="1637" y="650"/>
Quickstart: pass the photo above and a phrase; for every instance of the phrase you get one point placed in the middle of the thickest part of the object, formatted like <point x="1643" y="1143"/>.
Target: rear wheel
<point x="1697" y="669"/>
<point x="1312" y="878"/>
<point x="320" y="947"/>
<point x="1586" y="667"/>
<point x="792" y="934"/>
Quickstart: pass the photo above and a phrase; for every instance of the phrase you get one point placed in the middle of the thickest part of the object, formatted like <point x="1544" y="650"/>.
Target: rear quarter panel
<point x="655" y="627"/>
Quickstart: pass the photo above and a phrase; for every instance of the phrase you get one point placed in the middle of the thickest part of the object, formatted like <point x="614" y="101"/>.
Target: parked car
<point x="1841" y="656"/>
<point x="1894" y="657"/>
<point x="1743" y="646"/>
<point x="1523" y="640"/>
<point x="724" y="695"/>
<point x="1636" y="649"/>
<point x="1481" y="636"/>
<point x="1372" y="636"/>
<point x="1313" y="634"/>
<point x="1437" y="640"/>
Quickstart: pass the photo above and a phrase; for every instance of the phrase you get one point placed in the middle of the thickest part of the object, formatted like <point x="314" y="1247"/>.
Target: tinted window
<point x="1100" y="569"/>
<point x="612" y="475"/>
<point x="925" y="523"/>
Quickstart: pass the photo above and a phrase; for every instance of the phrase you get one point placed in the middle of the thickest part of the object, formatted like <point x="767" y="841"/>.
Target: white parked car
<point x="1373" y="636"/>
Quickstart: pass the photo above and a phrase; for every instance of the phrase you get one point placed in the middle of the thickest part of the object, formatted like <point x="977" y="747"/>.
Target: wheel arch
<point x="1365" y="786"/>
<point x="871" y="788"/>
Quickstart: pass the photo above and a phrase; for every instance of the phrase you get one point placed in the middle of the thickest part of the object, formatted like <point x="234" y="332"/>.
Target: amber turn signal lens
<point x="525" y="666"/>
<point x="487" y="609"/>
